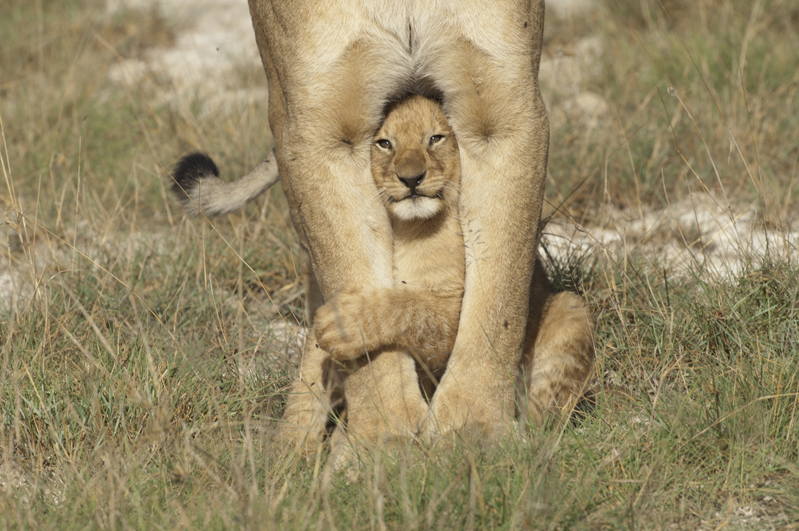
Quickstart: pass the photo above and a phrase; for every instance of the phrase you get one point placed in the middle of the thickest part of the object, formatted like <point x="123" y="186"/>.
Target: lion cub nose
<point x="412" y="182"/>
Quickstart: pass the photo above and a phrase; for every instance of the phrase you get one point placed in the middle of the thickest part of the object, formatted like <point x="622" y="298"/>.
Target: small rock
<point x="128" y="72"/>
<point x="586" y="109"/>
<point x="565" y="9"/>
<point x="568" y="74"/>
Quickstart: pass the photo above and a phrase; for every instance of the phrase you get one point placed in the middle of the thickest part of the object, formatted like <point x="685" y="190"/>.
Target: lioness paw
<point x="339" y="328"/>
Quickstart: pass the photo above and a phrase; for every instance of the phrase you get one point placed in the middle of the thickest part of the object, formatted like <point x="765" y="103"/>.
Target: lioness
<point x="416" y="168"/>
<point x="331" y="67"/>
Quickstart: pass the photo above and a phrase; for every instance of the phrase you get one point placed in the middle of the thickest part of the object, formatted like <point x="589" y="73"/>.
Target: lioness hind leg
<point x="557" y="367"/>
<point x="309" y="401"/>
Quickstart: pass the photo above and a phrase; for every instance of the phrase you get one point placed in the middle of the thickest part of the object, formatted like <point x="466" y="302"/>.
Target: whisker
<point x="382" y="194"/>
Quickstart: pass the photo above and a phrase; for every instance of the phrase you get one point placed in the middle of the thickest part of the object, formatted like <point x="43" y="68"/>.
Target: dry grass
<point x="144" y="363"/>
<point x="702" y="97"/>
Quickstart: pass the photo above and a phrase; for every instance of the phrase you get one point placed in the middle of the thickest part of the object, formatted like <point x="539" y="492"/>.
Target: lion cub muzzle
<point x="412" y="183"/>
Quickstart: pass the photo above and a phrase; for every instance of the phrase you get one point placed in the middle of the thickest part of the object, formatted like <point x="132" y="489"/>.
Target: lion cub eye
<point x="435" y="139"/>
<point x="383" y="143"/>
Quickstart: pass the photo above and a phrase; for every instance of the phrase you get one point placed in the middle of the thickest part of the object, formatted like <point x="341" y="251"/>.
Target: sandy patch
<point x="218" y="41"/>
<point x="700" y="234"/>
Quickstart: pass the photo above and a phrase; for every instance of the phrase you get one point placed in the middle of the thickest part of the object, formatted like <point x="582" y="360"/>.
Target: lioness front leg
<point x="327" y="87"/>
<point x="492" y="99"/>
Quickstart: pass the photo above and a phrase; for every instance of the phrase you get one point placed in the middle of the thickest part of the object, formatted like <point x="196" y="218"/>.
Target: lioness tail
<point x="198" y="187"/>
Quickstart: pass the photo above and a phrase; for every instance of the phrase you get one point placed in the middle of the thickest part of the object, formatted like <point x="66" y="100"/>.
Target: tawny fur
<point x="331" y="68"/>
<point x="421" y="311"/>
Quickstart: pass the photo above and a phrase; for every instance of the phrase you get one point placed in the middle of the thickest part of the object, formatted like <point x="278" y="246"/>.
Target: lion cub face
<point x="415" y="160"/>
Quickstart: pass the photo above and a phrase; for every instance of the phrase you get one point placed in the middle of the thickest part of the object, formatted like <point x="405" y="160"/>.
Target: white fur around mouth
<point x="420" y="207"/>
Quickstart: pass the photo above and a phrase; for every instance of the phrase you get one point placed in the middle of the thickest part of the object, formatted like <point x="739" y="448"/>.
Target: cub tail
<point x="199" y="189"/>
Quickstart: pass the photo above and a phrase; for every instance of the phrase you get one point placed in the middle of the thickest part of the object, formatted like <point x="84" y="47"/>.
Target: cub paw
<point x="339" y="328"/>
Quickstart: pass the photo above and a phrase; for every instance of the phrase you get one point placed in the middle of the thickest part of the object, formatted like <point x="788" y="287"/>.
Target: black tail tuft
<point x="188" y="172"/>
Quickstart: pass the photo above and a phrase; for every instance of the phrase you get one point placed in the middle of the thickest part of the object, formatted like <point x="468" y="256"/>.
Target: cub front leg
<point x="384" y="401"/>
<point x="356" y="322"/>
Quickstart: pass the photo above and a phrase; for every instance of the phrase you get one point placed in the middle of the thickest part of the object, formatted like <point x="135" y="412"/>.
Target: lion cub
<point x="416" y="167"/>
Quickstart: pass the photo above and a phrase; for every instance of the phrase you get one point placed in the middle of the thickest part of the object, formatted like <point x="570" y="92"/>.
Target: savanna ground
<point x="145" y="357"/>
